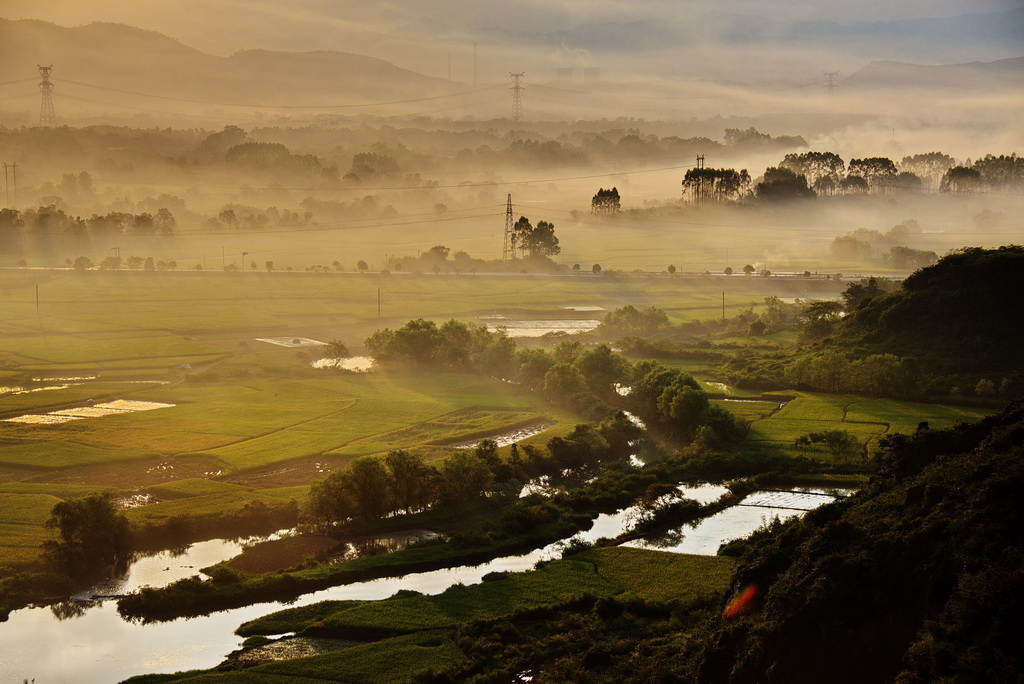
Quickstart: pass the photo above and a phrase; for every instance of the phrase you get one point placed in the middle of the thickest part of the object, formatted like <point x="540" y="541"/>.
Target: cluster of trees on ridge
<point x="806" y="175"/>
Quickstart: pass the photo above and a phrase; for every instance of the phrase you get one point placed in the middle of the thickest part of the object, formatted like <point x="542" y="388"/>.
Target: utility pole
<point x="476" y="80"/>
<point x="723" y="305"/>
<point x="7" y="183"/>
<point x="830" y="85"/>
<point x="517" y="96"/>
<point x="378" y="302"/>
<point x="46" y="114"/>
<point x="508" y="251"/>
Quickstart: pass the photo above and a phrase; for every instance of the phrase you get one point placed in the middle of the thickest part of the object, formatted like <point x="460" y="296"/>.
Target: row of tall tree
<point x="805" y="175"/>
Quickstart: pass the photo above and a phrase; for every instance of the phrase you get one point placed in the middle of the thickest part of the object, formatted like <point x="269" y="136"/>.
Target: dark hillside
<point x="918" y="578"/>
<point x="964" y="314"/>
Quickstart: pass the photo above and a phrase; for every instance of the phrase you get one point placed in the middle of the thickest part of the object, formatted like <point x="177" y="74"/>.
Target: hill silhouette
<point x="917" y="578"/>
<point x="112" y="64"/>
<point x="963" y="314"/>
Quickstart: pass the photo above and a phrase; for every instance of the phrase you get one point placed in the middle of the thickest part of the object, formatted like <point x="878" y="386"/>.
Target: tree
<point x="362" y="266"/>
<point x="564" y="384"/>
<point x="856" y="294"/>
<point x="93" y="535"/>
<point x="605" y="202"/>
<point x="1005" y="172"/>
<point x="269" y="266"/>
<point x="671" y="270"/>
<point x="464" y="476"/>
<point x="749" y="269"/>
<point x="985" y="388"/>
<point x="961" y="179"/>
<point x="541" y="241"/>
<point x="877" y="172"/>
<point x="335" y="350"/>
<point x="595" y="269"/>
<point x="602" y="368"/>
<point x="854" y="185"/>
<point x="83" y="263"/>
<point x="783" y="185"/>
<point x="929" y="167"/>
<point x="715" y="185"/>
<point x="628" y="321"/>
<point x="368" y="487"/>
<point x="520" y="230"/>
<point x="411" y="480"/>
<point x="816" y="166"/>
<point x="728" y="270"/>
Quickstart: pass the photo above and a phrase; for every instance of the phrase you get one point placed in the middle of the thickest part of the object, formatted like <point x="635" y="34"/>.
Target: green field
<point x="256" y="418"/>
<point x="866" y="419"/>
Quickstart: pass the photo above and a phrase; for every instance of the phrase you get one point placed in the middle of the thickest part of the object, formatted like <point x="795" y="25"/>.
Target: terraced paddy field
<point x="866" y="419"/>
<point x="233" y="419"/>
<point x="213" y="447"/>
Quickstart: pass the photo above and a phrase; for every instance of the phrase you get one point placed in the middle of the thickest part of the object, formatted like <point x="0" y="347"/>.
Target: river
<point x="86" y="642"/>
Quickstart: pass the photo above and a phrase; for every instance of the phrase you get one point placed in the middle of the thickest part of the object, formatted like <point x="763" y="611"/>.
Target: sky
<point x="225" y="26"/>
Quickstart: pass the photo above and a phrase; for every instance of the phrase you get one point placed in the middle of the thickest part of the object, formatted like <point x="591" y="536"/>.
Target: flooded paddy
<point x="291" y="342"/>
<point x="756" y="510"/>
<point x="539" y="328"/>
<point x="110" y="408"/>
<point x="507" y="437"/>
<point x="359" y="364"/>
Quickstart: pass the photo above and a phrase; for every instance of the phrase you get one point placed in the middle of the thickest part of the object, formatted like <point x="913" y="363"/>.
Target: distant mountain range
<point x="1003" y="73"/>
<point x="101" y="65"/>
<point x="113" y="63"/>
<point x="953" y="39"/>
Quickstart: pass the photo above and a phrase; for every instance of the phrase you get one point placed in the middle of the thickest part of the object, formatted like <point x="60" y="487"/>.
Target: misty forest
<point x="612" y="342"/>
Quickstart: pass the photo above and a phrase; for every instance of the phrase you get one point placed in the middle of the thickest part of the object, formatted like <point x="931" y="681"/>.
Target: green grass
<point x="22" y="529"/>
<point x="904" y="416"/>
<point x="661" y="576"/>
<point x="866" y="419"/>
<point x="412" y="633"/>
<point x="61" y="454"/>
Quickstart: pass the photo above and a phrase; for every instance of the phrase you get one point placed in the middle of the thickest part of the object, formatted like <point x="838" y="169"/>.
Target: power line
<point x="279" y="106"/>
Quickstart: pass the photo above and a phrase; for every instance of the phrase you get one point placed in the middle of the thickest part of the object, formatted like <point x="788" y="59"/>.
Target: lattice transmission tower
<point x="830" y="85"/>
<point x="46" y="114"/>
<point x="509" y="250"/>
<point x="517" y="96"/>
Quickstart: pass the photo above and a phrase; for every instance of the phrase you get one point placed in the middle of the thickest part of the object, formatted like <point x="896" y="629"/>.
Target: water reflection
<point x="74" y="608"/>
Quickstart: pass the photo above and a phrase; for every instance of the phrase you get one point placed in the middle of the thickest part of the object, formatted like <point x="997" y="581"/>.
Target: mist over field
<point x="643" y="90"/>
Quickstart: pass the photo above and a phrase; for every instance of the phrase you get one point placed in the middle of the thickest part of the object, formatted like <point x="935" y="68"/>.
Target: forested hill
<point x="917" y="578"/>
<point x="965" y="313"/>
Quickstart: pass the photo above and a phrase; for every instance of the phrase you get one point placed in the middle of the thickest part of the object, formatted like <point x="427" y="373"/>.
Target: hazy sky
<point x="224" y="26"/>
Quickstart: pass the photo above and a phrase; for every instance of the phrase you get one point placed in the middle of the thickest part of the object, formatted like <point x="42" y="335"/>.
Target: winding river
<point x="87" y="641"/>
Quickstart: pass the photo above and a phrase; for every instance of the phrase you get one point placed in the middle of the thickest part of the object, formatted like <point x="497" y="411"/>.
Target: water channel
<point x="84" y="642"/>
